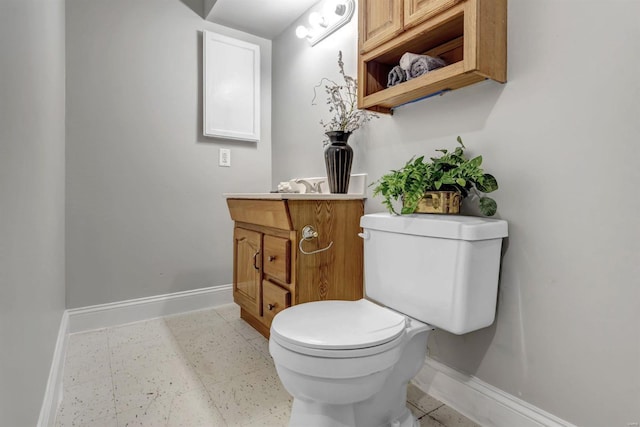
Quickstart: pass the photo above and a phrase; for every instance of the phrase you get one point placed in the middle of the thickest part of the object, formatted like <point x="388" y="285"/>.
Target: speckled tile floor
<point x="204" y="368"/>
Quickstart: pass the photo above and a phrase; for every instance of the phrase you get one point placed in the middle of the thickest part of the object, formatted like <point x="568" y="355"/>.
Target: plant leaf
<point x="406" y="210"/>
<point x="476" y="162"/>
<point x="447" y="179"/>
<point x="488" y="206"/>
<point x="461" y="182"/>
<point x="488" y="184"/>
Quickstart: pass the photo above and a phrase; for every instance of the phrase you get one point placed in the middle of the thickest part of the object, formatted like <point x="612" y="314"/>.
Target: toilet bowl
<point x="347" y="363"/>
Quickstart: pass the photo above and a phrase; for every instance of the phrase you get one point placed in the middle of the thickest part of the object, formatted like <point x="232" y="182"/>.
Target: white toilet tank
<point x="439" y="269"/>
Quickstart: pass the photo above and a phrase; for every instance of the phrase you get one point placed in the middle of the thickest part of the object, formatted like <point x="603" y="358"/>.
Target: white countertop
<point x="357" y="191"/>
<point x="295" y="196"/>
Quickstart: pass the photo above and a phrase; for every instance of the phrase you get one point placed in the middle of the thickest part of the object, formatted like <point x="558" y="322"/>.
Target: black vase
<point x="338" y="157"/>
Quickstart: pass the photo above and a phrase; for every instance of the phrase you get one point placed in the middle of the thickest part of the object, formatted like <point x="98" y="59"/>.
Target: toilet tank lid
<point x="458" y="227"/>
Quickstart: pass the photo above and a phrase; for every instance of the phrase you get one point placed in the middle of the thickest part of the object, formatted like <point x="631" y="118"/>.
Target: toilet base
<point x="372" y="394"/>
<point x="306" y="414"/>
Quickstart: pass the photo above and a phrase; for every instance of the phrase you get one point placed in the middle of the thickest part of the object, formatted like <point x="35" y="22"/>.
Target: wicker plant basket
<point x="439" y="202"/>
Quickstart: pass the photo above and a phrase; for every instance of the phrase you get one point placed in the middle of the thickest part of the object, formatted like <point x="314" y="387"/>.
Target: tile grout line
<point x="113" y="382"/>
<point x="192" y="365"/>
<point x="433" y="410"/>
<point x="230" y="324"/>
<point x="428" y="414"/>
<point x="247" y="340"/>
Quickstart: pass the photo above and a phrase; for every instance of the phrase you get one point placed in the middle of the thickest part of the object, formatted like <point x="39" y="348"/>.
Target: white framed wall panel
<point x="231" y="88"/>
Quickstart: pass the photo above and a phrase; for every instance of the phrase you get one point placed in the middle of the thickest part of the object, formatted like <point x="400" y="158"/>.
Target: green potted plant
<point x="452" y="172"/>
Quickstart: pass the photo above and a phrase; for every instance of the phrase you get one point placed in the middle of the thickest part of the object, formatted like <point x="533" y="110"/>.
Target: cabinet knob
<point x="271" y="258"/>
<point x="271" y="306"/>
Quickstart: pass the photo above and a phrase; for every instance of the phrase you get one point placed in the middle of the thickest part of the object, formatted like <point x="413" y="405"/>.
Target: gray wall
<point x="562" y="138"/>
<point x="145" y="211"/>
<point x="32" y="135"/>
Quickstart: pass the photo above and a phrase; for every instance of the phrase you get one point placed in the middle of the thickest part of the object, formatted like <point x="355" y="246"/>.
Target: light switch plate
<point x="225" y="157"/>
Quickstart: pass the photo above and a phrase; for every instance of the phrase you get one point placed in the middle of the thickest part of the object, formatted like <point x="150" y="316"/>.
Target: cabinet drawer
<point x="270" y="213"/>
<point x="276" y="259"/>
<point x="274" y="300"/>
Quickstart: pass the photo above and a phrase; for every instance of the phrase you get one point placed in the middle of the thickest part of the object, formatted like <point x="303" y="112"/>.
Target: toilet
<point x="347" y="363"/>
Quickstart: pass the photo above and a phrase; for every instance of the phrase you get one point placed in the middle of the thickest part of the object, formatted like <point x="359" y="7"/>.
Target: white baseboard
<point x="119" y="313"/>
<point x="136" y="310"/>
<point x="53" y="392"/>
<point x="479" y="401"/>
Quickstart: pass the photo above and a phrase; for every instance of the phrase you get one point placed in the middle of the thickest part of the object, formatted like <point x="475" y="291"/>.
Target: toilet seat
<point x="338" y="328"/>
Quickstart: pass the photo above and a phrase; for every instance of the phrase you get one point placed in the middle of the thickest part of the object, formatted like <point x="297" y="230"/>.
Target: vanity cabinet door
<point x="247" y="266"/>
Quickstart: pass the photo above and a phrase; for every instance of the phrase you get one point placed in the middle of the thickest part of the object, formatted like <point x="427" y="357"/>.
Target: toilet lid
<point x="337" y="325"/>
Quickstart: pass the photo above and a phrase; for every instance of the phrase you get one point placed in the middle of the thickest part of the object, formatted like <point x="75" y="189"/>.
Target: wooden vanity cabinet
<point x="469" y="35"/>
<point x="270" y="273"/>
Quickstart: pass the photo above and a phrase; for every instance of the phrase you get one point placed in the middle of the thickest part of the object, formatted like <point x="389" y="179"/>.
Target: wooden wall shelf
<point x="469" y="35"/>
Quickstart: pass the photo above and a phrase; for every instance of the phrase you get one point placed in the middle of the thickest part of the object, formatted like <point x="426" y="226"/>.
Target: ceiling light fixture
<point x="317" y="20"/>
<point x="335" y="15"/>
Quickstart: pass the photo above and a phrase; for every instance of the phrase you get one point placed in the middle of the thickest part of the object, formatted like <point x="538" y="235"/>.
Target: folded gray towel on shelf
<point x="396" y="75"/>
<point x="407" y="59"/>
<point x="423" y="65"/>
<point x="417" y="65"/>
